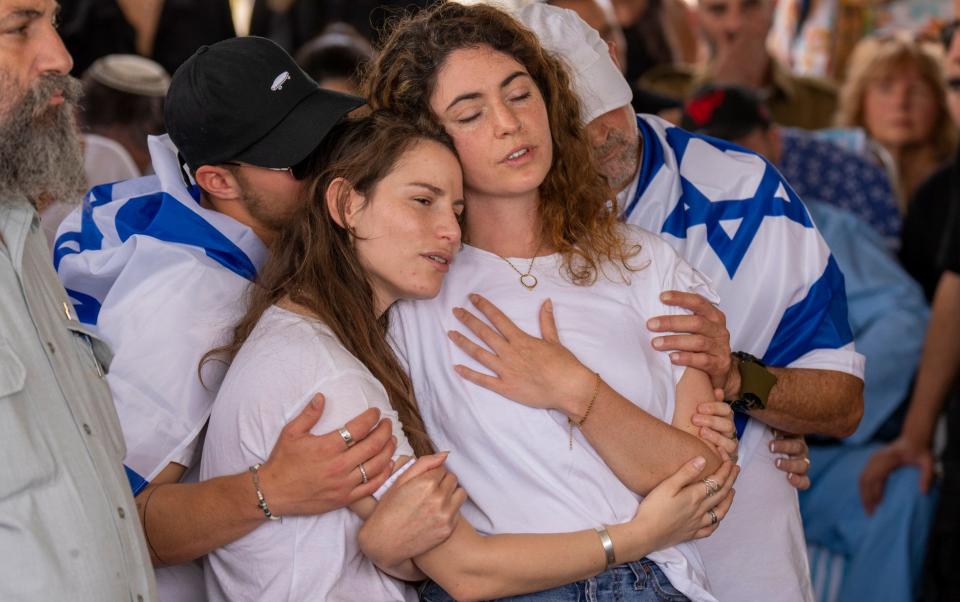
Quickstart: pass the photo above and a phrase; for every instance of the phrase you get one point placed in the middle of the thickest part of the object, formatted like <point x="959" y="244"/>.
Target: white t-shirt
<point x="287" y="359"/>
<point x="513" y="460"/>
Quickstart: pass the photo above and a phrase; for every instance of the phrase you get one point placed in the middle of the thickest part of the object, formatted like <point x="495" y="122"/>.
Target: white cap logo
<point x="279" y="81"/>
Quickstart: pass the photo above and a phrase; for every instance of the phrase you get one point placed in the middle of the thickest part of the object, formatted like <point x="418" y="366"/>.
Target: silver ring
<point x="363" y="474"/>
<point x="347" y="438"/>
<point x="714" y="519"/>
<point x="712" y="486"/>
<point x="807" y="460"/>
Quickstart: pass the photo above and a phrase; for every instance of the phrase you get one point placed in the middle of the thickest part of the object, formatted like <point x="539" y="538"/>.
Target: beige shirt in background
<point x="68" y="526"/>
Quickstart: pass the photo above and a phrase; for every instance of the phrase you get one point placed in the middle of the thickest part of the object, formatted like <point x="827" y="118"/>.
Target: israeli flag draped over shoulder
<point x="733" y="217"/>
<point x="162" y="281"/>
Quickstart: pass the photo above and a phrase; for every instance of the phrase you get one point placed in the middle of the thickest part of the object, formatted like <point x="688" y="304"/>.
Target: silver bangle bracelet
<point x="607" y="546"/>
<point x="261" y="501"/>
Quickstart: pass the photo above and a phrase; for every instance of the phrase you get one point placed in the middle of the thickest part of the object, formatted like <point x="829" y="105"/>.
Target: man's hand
<point x="418" y="513"/>
<point x="309" y="474"/>
<point x="901" y="452"/>
<point x="796" y="458"/>
<point x="705" y="342"/>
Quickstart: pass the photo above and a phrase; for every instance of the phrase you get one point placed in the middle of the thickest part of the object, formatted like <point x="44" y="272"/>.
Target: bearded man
<point x="68" y="526"/>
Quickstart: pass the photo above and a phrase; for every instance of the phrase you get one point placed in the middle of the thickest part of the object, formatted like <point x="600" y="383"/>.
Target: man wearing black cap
<point x="157" y="266"/>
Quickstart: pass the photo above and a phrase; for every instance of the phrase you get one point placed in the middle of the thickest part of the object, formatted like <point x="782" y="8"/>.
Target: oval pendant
<point x="529" y="281"/>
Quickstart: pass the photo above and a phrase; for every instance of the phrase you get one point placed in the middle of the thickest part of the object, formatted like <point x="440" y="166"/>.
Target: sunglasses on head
<point x="298" y="171"/>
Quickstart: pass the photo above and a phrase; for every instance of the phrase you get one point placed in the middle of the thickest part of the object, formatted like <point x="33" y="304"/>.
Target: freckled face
<point x="493" y="110"/>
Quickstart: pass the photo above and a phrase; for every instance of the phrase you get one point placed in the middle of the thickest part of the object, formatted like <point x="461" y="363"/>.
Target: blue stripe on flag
<point x="651" y="162"/>
<point x="87" y="307"/>
<point x="819" y="321"/>
<point x="137" y="482"/>
<point x="89" y="237"/>
<point x="163" y="217"/>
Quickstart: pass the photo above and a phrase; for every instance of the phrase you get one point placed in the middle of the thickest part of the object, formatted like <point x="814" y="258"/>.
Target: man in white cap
<point x="733" y="217"/>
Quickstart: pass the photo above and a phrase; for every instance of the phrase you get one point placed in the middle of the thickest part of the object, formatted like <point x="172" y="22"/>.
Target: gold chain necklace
<point x="528" y="280"/>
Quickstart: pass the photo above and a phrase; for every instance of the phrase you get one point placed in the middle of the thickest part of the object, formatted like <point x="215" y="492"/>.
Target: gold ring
<point x="346" y="436"/>
<point x="363" y="474"/>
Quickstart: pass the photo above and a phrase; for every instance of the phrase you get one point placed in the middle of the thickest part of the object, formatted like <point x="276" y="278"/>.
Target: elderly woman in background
<point x="895" y="92"/>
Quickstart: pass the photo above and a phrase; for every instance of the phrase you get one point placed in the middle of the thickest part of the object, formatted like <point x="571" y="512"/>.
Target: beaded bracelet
<point x="261" y="501"/>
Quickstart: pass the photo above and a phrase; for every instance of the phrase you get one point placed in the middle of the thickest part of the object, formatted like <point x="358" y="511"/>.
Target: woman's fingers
<point x="548" y="323"/>
<point x="721" y="424"/>
<point x="721" y="511"/>
<point x="726" y="444"/>
<point x="792" y="445"/>
<point x="492" y="338"/>
<point x="507" y="328"/>
<point x="799" y="482"/>
<point x="478" y="378"/>
<point x="421" y="465"/>
<point x="688" y="474"/>
<point x="487" y="359"/>
<point x="711" y="501"/>
<point x="715" y="408"/>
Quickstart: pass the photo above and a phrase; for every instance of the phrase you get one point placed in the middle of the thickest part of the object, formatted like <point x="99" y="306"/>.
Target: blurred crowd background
<point x="857" y="102"/>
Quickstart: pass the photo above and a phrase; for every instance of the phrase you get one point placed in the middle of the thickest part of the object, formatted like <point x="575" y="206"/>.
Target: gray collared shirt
<point x="68" y="525"/>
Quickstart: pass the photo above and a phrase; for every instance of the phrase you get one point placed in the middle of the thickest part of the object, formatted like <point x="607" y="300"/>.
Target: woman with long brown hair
<point x="545" y="444"/>
<point x="381" y="224"/>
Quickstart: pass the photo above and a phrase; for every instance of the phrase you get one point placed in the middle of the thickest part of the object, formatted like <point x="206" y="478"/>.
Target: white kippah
<point x="597" y="81"/>
<point x="130" y="73"/>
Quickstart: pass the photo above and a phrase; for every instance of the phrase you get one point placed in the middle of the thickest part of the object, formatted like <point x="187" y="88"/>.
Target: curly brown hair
<point x="314" y="264"/>
<point x="577" y="216"/>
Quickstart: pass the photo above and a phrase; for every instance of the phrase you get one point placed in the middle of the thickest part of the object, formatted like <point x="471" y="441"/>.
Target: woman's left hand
<point x="795" y="458"/>
<point x="537" y="372"/>
<point x="715" y="419"/>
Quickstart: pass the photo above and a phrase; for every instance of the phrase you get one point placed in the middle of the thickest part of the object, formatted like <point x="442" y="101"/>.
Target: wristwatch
<point x="755" y="383"/>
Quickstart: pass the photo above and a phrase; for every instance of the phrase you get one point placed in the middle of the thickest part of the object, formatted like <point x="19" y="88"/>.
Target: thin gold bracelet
<point x="571" y="423"/>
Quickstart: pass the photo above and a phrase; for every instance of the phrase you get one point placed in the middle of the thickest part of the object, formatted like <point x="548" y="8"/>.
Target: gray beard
<point x="41" y="156"/>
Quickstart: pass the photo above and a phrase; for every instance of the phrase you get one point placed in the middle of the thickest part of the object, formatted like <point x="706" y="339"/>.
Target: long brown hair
<point x="314" y="263"/>
<point x="576" y="214"/>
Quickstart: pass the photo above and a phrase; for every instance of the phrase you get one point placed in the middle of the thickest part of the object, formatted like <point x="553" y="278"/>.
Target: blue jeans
<point x="641" y="581"/>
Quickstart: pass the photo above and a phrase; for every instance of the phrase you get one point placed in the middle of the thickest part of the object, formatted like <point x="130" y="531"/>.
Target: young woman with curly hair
<point x="562" y="436"/>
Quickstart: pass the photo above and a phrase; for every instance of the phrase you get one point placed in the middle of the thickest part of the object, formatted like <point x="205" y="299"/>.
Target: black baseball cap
<point x="727" y="112"/>
<point x="245" y="99"/>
